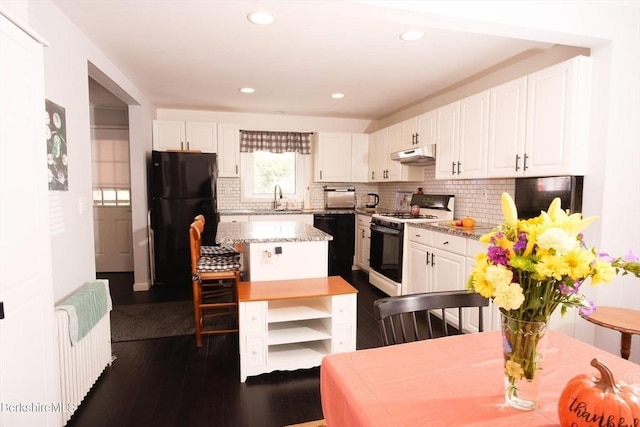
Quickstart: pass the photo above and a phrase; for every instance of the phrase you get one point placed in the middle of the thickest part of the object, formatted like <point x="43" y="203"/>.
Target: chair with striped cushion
<point x="215" y="287"/>
<point x="206" y="250"/>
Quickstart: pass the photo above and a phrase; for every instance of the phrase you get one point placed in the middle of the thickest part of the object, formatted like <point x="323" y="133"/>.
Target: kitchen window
<point x="262" y="170"/>
<point x="271" y="158"/>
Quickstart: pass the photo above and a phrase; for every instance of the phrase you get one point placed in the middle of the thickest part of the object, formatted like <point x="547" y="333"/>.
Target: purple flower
<point x="631" y="257"/>
<point x="521" y="244"/>
<point x="606" y="257"/>
<point x="497" y="255"/>
<point x="569" y="289"/>
<point x="588" y="310"/>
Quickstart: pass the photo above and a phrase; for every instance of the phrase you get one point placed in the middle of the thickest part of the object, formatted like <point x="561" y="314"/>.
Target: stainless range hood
<point x="415" y="156"/>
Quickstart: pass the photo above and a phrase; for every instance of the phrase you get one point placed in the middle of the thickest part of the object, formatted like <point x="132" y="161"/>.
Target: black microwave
<point x="536" y="194"/>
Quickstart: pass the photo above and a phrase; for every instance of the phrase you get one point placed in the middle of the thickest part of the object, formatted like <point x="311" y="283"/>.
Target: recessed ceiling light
<point x="337" y="95"/>
<point x="261" y="18"/>
<point x="412" y="35"/>
<point x="247" y="90"/>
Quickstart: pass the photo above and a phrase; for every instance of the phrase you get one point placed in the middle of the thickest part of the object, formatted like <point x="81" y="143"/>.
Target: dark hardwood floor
<point x="170" y="382"/>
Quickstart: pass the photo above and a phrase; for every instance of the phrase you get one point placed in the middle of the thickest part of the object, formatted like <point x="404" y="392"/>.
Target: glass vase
<point x="523" y="343"/>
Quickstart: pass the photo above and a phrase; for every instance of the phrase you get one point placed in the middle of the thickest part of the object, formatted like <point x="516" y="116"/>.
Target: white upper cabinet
<point x="447" y="118"/>
<point x="426" y="128"/>
<point x="462" y="133"/>
<point x="539" y="123"/>
<point x="228" y="150"/>
<point x="381" y="168"/>
<point x="378" y="144"/>
<point x="558" y="100"/>
<point x="507" y="128"/>
<point x="202" y="136"/>
<point x="180" y="135"/>
<point x="359" y="157"/>
<point x="332" y="157"/>
<point x="474" y="136"/>
<point x="395" y="143"/>
<point x="409" y="133"/>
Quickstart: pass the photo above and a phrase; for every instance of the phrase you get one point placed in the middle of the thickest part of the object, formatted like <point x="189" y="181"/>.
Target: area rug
<point x="145" y="321"/>
<point x="317" y="423"/>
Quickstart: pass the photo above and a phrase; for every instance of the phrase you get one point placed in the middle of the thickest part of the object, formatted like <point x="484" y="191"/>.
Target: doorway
<point x="111" y="181"/>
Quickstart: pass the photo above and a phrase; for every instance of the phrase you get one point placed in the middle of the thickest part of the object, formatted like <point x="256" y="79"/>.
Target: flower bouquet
<point x="529" y="269"/>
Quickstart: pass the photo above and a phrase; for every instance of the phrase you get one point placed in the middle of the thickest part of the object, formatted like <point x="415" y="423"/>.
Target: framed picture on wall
<point x="57" y="161"/>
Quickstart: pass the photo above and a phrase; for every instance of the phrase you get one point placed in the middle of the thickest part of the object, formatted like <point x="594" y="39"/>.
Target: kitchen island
<point x="278" y="250"/>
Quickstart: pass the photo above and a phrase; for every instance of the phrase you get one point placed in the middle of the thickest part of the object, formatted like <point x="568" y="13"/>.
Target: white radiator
<point x="81" y="364"/>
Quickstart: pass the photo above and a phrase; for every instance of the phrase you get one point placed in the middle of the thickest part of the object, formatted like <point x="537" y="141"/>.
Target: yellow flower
<point x="552" y="266"/>
<point x="579" y="263"/>
<point x="509" y="296"/>
<point x="603" y="272"/>
<point x="509" y="210"/>
<point x="498" y="275"/>
<point x="513" y="369"/>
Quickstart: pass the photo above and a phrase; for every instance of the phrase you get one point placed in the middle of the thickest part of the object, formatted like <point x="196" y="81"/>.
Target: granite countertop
<point x="285" y="211"/>
<point x="476" y="232"/>
<point x="267" y="231"/>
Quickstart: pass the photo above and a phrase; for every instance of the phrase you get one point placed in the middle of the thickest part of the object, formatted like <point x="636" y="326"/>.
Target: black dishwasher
<point x="342" y="226"/>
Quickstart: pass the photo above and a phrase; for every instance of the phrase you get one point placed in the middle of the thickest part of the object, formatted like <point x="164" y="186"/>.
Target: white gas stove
<point x="388" y="242"/>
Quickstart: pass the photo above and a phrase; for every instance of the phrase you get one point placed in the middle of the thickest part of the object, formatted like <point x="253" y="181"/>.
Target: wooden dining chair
<point x="215" y="250"/>
<point x="408" y="317"/>
<point x="215" y="287"/>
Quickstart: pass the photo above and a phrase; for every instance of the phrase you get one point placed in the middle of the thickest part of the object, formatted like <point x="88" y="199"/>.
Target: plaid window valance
<point x="275" y="142"/>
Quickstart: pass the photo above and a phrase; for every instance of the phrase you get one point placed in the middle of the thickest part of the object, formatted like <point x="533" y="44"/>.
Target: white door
<point x="28" y="360"/>
<point x="112" y="238"/>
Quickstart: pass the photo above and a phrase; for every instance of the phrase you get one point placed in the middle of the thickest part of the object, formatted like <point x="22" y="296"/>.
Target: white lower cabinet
<point x="363" y="241"/>
<point x="294" y="333"/>
<point x="443" y="262"/>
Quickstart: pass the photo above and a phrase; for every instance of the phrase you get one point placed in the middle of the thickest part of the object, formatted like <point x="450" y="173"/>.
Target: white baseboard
<point x="140" y="287"/>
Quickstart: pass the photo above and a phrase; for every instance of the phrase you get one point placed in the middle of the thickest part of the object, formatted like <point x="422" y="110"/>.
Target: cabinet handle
<point x="427" y="258"/>
<point x="459" y="168"/>
<point x="320" y="174"/>
<point x="453" y="168"/>
<point x="187" y="145"/>
<point x="433" y="259"/>
<point x="182" y="145"/>
<point x="524" y="168"/>
<point x="362" y="231"/>
<point x="517" y="162"/>
<point x="417" y="137"/>
<point x="236" y="169"/>
<point x="373" y="175"/>
<point x="446" y="243"/>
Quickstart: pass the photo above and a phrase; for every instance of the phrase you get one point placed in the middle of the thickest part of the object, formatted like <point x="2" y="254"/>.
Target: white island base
<point x="293" y="324"/>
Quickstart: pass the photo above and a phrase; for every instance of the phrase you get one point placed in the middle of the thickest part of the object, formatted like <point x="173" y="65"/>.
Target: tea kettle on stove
<point x="372" y="200"/>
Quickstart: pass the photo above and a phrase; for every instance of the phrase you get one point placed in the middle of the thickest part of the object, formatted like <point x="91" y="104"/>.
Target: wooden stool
<point x="215" y="286"/>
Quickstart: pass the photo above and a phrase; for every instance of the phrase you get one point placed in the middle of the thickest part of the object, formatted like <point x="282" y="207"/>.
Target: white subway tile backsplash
<point x="479" y="198"/>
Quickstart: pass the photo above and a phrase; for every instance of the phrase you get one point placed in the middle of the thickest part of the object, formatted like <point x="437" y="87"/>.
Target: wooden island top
<point x="292" y="289"/>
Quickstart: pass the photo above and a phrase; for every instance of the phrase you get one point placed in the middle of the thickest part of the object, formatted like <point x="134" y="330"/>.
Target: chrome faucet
<point x="277" y="191"/>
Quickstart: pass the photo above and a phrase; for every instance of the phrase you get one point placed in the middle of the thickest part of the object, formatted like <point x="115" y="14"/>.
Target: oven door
<point x="386" y="252"/>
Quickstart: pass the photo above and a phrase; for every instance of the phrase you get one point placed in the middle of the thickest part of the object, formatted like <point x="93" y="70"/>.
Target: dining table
<point x="451" y="381"/>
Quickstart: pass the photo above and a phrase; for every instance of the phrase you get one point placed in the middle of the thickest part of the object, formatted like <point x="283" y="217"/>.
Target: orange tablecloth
<point x="451" y="381"/>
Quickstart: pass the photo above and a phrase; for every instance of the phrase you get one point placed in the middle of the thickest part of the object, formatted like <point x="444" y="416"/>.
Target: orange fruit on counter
<point x="468" y="222"/>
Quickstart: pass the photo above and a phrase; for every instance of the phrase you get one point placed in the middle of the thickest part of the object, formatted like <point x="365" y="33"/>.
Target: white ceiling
<point x="196" y="54"/>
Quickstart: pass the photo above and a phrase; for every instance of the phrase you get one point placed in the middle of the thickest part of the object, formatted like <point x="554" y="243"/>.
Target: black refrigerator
<point x="183" y="185"/>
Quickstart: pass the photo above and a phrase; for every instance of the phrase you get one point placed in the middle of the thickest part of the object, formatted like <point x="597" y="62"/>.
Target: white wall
<point x="66" y="63"/>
